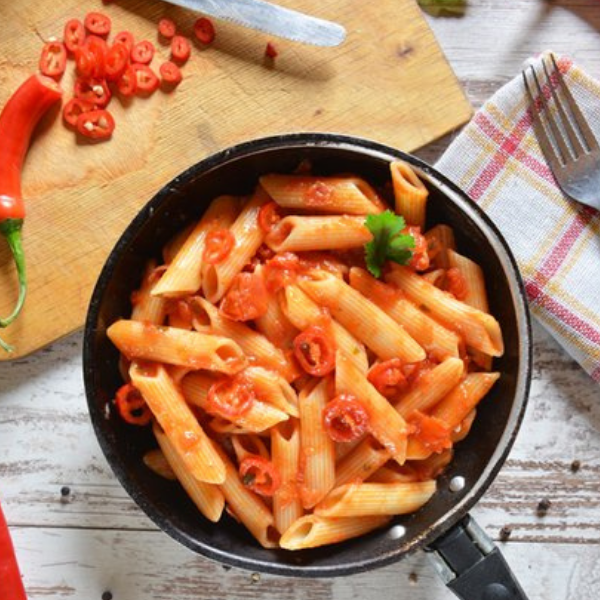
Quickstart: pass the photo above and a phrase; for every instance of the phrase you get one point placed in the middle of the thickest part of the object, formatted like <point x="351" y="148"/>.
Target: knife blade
<point x="271" y="19"/>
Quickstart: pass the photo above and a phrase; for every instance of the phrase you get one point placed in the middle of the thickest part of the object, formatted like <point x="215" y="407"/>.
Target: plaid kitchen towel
<point x="497" y="160"/>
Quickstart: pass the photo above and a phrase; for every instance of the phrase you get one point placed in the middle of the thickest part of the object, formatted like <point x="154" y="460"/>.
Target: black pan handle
<point x="472" y="566"/>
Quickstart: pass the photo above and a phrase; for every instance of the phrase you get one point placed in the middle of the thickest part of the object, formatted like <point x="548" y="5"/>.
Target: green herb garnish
<point x="388" y="242"/>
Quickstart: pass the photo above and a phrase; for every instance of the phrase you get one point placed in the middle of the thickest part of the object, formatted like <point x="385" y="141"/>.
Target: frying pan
<point x="464" y="556"/>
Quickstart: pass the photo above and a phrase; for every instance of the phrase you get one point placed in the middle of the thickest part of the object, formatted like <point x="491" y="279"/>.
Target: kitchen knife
<point x="272" y="19"/>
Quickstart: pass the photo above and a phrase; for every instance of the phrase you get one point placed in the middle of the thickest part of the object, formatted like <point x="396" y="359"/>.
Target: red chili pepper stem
<point x="11" y="230"/>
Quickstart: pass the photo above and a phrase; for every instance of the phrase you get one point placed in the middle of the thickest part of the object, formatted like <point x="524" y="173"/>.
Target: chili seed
<point x="543" y="506"/>
<point x="65" y="490"/>
<point x="575" y="466"/>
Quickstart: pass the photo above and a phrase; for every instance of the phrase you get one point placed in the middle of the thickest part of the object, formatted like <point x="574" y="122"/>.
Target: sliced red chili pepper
<point x="75" y="107"/>
<point x="281" y="270"/>
<point x="268" y="215"/>
<point x="167" y="28"/>
<point x="315" y="351"/>
<point x="96" y="124"/>
<point x="127" y="83"/>
<point x="433" y="433"/>
<point x="97" y="23"/>
<point x="260" y="475"/>
<point x="146" y="78"/>
<point x="231" y="397"/>
<point x="388" y="377"/>
<point x="125" y="37"/>
<point x="143" y="52"/>
<point x="246" y="299"/>
<point x="93" y="90"/>
<point x="345" y="418"/>
<point x="131" y="405"/>
<point x="204" y="30"/>
<point x="74" y="35"/>
<point x="271" y="51"/>
<point x="97" y="48"/>
<point x="117" y="60"/>
<point x="217" y="246"/>
<point x="53" y="59"/>
<point x="170" y="73"/>
<point x="180" y="48"/>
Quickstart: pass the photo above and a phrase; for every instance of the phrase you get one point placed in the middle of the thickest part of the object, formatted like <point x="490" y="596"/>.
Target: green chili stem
<point x="11" y="230"/>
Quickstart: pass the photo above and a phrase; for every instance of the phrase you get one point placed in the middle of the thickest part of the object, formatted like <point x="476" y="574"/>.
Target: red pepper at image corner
<point x="18" y="119"/>
<point x="11" y="585"/>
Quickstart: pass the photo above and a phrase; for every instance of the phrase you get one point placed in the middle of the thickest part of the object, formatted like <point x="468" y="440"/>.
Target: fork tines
<point x="562" y="131"/>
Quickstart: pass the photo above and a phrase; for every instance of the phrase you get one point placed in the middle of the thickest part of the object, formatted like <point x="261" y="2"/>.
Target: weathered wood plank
<point x="77" y="564"/>
<point x="46" y="442"/>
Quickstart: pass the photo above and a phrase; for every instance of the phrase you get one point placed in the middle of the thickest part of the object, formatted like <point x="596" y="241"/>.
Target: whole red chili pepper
<point x="11" y="586"/>
<point x="17" y="121"/>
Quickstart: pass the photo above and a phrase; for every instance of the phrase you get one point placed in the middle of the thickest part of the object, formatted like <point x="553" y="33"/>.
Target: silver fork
<point x="565" y="136"/>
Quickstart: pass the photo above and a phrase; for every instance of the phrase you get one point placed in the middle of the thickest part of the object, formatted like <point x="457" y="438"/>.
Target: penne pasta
<point x="298" y="233"/>
<point x="303" y="312"/>
<point x="248" y="445"/>
<point x="275" y="326"/>
<point x="312" y="531"/>
<point x="363" y="499"/>
<point x="155" y="460"/>
<point x="476" y="295"/>
<point x="248" y="237"/>
<point x="184" y="274"/>
<point x="440" y="239"/>
<point x="260" y="351"/>
<point x="285" y="453"/>
<point x="273" y="389"/>
<point x="176" y="346"/>
<point x="260" y="417"/>
<point x="363" y="319"/>
<point x="338" y="195"/>
<point x="147" y="307"/>
<point x="480" y="330"/>
<point x="187" y="437"/>
<point x="410" y="194"/>
<point x="316" y="447"/>
<point x="385" y="424"/>
<point x="206" y="496"/>
<point x="437" y="340"/>
<point x="361" y="463"/>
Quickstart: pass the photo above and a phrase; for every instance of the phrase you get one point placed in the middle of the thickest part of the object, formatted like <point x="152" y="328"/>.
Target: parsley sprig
<point x="388" y="242"/>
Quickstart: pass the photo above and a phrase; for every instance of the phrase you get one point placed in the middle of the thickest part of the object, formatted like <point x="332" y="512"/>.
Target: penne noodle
<point x="410" y="193"/>
<point x="316" y="447"/>
<point x="431" y="388"/>
<point x="312" y="531"/>
<point x="275" y="326"/>
<point x="460" y="432"/>
<point x="480" y="330"/>
<point x="273" y="389"/>
<point x="476" y="295"/>
<point x="247" y="506"/>
<point x="433" y="337"/>
<point x="173" y="246"/>
<point x="184" y="274"/>
<point x="365" y="499"/>
<point x="285" y="456"/>
<point x="434" y="465"/>
<point x="192" y="445"/>
<point x="303" y="312"/>
<point x="385" y="424"/>
<point x="361" y="463"/>
<point x="338" y="195"/>
<point x="388" y="475"/>
<point x="260" y="417"/>
<point x="147" y="307"/>
<point x="363" y="319"/>
<point x="176" y="346"/>
<point x="206" y="496"/>
<point x="440" y="239"/>
<point x="258" y="349"/>
<point x="248" y="445"/>
<point x="155" y="460"/>
<point x="436" y="277"/>
<point x="302" y="234"/>
<point x="248" y="236"/>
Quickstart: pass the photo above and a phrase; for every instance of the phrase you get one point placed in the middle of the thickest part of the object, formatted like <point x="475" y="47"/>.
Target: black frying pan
<point x="464" y="556"/>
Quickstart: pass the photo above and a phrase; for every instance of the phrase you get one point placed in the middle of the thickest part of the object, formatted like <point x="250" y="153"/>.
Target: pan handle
<point x="472" y="566"/>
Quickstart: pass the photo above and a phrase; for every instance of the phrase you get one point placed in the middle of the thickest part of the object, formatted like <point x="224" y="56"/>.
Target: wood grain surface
<point x="389" y="81"/>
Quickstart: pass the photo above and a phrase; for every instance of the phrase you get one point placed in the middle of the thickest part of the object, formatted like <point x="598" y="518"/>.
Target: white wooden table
<point x="95" y="543"/>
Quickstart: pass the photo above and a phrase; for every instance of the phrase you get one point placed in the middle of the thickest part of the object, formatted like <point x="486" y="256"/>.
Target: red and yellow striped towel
<point x="498" y="162"/>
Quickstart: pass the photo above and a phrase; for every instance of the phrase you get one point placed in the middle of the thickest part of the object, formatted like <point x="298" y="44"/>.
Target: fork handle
<point x="472" y="565"/>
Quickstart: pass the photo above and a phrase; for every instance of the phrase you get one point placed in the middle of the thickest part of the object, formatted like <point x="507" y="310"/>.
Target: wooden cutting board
<point x="389" y="81"/>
